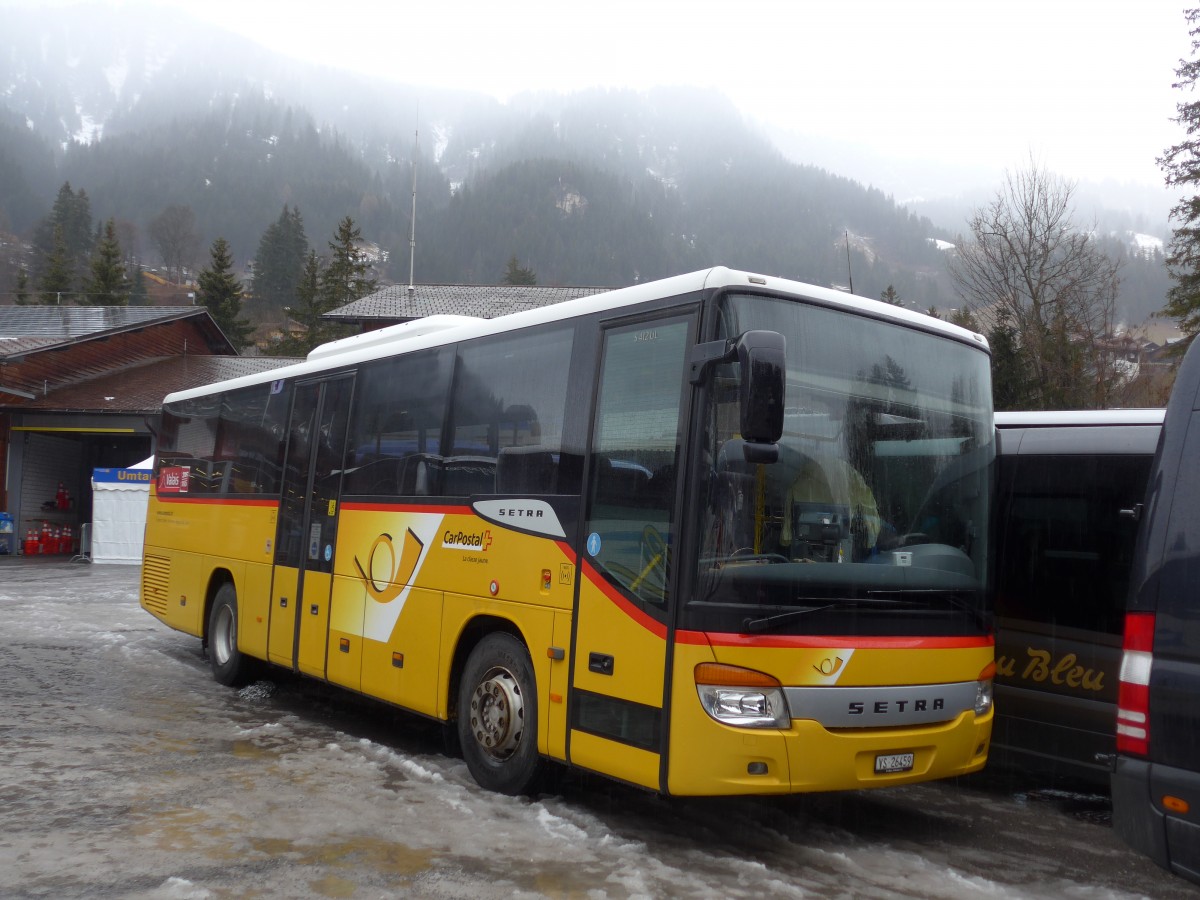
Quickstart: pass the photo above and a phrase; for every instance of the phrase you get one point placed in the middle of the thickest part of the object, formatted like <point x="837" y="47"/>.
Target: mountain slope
<point x="144" y="109"/>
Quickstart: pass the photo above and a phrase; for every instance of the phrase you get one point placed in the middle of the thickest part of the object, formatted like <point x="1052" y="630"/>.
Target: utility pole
<point x="412" y="232"/>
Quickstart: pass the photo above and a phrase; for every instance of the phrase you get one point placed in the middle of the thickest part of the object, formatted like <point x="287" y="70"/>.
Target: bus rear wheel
<point x="229" y="665"/>
<point x="497" y="716"/>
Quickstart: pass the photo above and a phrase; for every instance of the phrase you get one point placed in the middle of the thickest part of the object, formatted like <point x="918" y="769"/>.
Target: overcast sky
<point x="1083" y="87"/>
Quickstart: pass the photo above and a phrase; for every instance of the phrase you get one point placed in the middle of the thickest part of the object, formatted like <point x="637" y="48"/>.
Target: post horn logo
<point x="828" y="667"/>
<point x="388" y="573"/>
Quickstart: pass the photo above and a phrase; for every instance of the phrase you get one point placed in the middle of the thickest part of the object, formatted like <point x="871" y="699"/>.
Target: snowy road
<point x="125" y="771"/>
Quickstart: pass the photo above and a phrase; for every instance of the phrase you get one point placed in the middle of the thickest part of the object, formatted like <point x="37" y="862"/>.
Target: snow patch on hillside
<point x="1147" y="244"/>
<point x="116" y="75"/>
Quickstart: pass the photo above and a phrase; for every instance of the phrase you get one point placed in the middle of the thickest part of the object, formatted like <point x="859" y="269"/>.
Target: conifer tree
<point x="964" y="318"/>
<point x="22" y="292"/>
<point x="1009" y="388"/>
<point x="77" y="226"/>
<point x="138" y="293"/>
<point x="55" y="283"/>
<point x="72" y="212"/>
<point x="890" y="296"/>
<point x="279" y="262"/>
<point x="106" y="284"/>
<point x="348" y="274"/>
<point x="71" y="216"/>
<point x="325" y="287"/>
<point x="1181" y="164"/>
<point x="306" y="312"/>
<point x="515" y="273"/>
<point x="220" y="291"/>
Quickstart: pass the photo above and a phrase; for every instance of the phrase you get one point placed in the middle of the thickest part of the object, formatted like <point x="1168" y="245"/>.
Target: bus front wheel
<point x="497" y="716"/>
<point x="229" y="665"/>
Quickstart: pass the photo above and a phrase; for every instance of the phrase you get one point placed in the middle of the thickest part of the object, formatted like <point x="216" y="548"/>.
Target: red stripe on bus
<point x="816" y="641"/>
<point x="213" y="501"/>
<point x="647" y="622"/>
<point x="856" y="641"/>
<point x="363" y="506"/>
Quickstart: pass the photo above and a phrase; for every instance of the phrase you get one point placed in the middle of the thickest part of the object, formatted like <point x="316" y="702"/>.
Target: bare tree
<point x="173" y="232"/>
<point x="1030" y="270"/>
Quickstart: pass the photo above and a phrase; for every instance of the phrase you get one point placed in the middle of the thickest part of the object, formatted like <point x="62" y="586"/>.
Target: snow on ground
<point x="128" y="772"/>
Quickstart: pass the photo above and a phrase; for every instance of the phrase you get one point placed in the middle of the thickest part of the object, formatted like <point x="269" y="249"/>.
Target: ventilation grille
<point x="156" y="571"/>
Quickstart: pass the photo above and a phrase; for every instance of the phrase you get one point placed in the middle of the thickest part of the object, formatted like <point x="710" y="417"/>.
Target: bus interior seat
<point x="466" y="476"/>
<point x="375" y="477"/>
<point x="416" y="475"/>
<point x="526" y="470"/>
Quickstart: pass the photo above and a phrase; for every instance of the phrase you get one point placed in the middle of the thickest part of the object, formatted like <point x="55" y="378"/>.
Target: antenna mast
<point x="849" y="273"/>
<point x="412" y="233"/>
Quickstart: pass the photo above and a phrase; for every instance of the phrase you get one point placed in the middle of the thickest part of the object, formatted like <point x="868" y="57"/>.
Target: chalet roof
<point x="140" y="387"/>
<point x="486" y="301"/>
<point x="77" y="321"/>
<point x="26" y="329"/>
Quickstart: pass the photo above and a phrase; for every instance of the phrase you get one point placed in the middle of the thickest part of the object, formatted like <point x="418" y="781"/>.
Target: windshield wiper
<point x="755" y="625"/>
<point x="950" y="597"/>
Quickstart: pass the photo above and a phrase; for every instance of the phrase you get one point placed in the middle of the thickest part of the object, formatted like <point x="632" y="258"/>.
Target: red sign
<point x="173" y="480"/>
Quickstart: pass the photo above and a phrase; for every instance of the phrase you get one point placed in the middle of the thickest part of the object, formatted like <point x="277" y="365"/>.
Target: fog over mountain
<point x="144" y="109"/>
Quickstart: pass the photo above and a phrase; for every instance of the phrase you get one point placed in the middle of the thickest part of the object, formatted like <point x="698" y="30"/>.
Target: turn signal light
<point x="1177" y="805"/>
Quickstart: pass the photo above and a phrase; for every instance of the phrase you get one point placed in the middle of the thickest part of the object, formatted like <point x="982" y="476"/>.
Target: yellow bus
<point x="717" y="534"/>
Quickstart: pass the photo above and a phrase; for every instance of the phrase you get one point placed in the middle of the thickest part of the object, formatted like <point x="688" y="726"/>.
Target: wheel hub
<point x="498" y="714"/>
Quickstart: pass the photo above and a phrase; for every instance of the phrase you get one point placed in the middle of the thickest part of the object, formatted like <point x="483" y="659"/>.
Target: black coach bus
<point x="1156" y="782"/>
<point x="1068" y="486"/>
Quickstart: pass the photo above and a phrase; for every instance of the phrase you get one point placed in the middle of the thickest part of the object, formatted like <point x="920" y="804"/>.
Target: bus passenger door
<point x="307" y="532"/>
<point x="618" y="676"/>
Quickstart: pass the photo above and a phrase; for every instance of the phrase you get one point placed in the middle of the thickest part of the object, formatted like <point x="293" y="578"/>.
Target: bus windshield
<point x="874" y="518"/>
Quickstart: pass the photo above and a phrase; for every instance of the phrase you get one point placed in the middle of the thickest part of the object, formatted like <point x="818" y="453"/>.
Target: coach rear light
<point x="742" y="697"/>
<point x="1133" y="692"/>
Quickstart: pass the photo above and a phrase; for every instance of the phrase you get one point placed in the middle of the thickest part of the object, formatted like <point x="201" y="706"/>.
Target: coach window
<point x="395" y="431"/>
<point x="1066" y="546"/>
<point x="248" y="455"/>
<point x="189" y="438"/>
<point x="510" y="399"/>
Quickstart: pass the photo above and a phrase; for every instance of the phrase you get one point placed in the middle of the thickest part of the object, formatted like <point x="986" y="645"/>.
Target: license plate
<point x="894" y="762"/>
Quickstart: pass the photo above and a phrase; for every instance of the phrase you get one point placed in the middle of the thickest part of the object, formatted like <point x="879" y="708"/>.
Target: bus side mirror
<point x="763" y="366"/>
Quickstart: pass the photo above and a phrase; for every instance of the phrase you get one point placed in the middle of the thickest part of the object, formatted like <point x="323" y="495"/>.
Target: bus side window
<point x="1066" y="547"/>
<point x="507" y="414"/>
<point x="526" y="470"/>
<point x="396" y="427"/>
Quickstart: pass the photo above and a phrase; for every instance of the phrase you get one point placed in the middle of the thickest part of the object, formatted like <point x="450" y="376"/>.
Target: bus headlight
<point x="983" y="690"/>
<point x="742" y="697"/>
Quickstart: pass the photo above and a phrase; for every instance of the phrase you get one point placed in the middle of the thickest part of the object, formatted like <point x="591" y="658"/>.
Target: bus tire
<point x="497" y="716"/>
<point x="229" y="665"/>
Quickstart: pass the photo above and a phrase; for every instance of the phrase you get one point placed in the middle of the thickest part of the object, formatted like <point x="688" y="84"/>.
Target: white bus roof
<point x="437" y="330"/>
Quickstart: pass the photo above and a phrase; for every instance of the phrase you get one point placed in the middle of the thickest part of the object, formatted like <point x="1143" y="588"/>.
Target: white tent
<point x="119" y="498"/>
